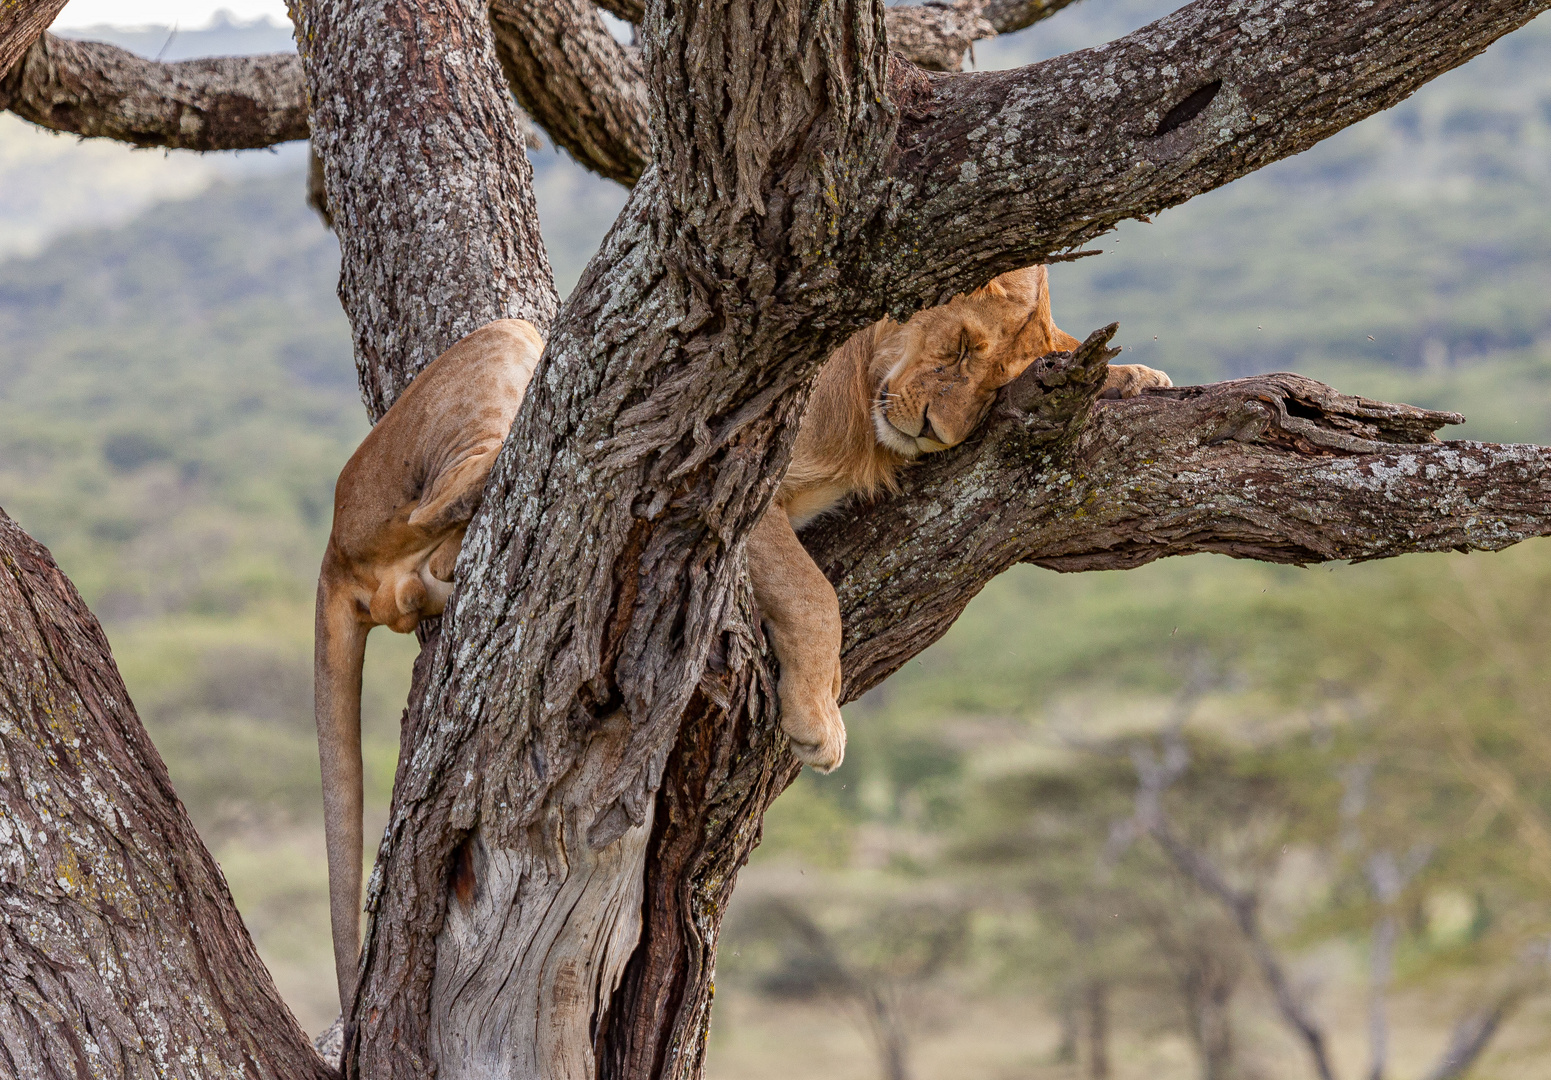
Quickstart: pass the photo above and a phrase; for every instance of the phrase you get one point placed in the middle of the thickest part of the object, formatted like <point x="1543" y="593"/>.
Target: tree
<point x="591" y="740"/>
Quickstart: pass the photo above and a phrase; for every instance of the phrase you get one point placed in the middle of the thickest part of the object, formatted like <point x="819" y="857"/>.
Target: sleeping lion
<point x="893" y="392"/>
<point x="890" y="394"/>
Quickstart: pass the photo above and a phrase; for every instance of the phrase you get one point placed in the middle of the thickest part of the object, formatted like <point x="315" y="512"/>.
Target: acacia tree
<point x="592" y="737"/>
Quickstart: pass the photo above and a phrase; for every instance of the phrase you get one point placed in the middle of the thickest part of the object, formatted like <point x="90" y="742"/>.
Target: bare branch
<point x="222" y="103"/>
<point x="581" y="86"/>
<point x="1277" y="467"/>
<point x="999" y="170"/>
<point x="936" y="36"/>
<point x="1154" y="777"/>
<point x="587" y="91"/>
<point x="21" y="23"/>
<point x="1474" y="1033"/>
<point x="1008" y="16"/>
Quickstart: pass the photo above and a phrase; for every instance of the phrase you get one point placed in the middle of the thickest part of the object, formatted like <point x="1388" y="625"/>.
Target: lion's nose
<point x="929" y="432"/>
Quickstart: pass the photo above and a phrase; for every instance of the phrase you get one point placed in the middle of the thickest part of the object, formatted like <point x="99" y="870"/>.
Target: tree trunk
<point x="121" y="954"/>
<point x="429" y="187"/>
<point x="1096" y="1028"/>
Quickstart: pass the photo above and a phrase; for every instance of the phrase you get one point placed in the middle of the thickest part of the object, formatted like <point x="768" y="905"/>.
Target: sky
<point x="186" y="14"/>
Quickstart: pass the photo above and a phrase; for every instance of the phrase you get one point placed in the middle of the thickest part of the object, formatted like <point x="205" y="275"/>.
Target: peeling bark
<point x="121" y="954"/>
<point x="223" y="103"/>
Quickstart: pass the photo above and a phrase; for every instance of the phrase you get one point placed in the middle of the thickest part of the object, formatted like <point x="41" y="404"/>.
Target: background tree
<point x="591" y="744"/>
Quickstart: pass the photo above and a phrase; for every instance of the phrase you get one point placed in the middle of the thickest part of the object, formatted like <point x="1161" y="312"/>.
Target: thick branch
<point x="121" y="953"/>
<point x="606" y="573"/>
<point x="21" y="23"/>
<point x="1000" y="170"/>
<point x="581" y="86"/>
<point x="587" y="92"/>
<point x="1277" y="467"/>
<point x="221" y="103"/>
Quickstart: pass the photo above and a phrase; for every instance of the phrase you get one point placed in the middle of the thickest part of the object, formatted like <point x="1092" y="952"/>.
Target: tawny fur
<point x="892" y="393"/>
<point x="400" y="508"/>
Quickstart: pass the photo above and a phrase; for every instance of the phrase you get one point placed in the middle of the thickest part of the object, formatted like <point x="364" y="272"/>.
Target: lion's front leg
<point x="802" y="617"/>
<point x="1129" y="380"/>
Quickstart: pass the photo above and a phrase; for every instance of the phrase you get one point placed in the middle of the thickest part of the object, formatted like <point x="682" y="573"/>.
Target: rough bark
<point x="428" y="184"/>
<point x="581" y="86"/>
<point x="1277" y="468"/>
<point x="998" y="170"/>
<point x="592" y="741"/>
<point x="222" y="103"/>
<point x="21" y="23"/>
<point x="1009" y="16"/>
<point x="638" y="475"/>
<point x="586" y="90"/>
<point x="121" y="954"/>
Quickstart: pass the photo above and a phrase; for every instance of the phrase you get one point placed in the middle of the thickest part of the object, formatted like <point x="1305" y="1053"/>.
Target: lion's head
<point x="937" y="375"/>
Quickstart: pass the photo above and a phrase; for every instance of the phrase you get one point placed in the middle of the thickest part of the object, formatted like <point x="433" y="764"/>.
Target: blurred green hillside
<point x="177" y="394"/>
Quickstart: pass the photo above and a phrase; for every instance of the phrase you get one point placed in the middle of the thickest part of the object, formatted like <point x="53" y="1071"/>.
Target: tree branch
<point x="936" y="35"/>
<point x="1474" y="1033"/>
<point x="426" y="181"/>
<point x="1009" y="16"/>
<point x="581" y="86"/>
<point x="588" y="93"/>
<point x="1154" y="777"/>
<point x="1276" y="467"/>
<point x="999" y="170"/>
<point x="121" y="953"/>
<point x="21" y="23"/>
<point x="222" y="103"/>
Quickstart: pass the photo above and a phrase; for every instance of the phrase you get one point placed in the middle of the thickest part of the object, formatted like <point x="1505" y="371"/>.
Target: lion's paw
<point x="1129" y="380"/>
<point x="812" y="722"/>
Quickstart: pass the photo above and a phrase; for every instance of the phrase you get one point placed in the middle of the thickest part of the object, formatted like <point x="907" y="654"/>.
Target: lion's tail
<point x="339" y="652"/>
